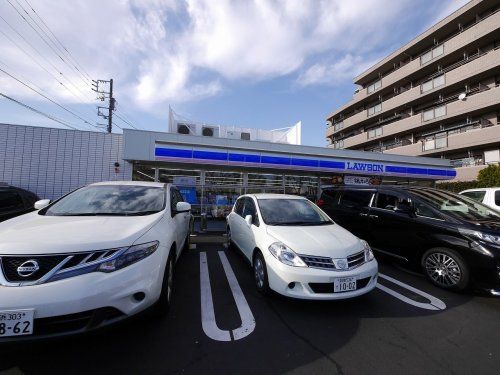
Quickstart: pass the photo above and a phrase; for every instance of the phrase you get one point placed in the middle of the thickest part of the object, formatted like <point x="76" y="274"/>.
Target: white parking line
<point x="208" y="322"/>
<point x="247" y="319"/>
<point x="207" y="305"/>
<point x="434" y="304"/>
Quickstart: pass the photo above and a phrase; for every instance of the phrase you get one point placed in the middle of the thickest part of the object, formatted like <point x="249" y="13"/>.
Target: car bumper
<point x="96" y="298"/>
<point x="317" y="284"/>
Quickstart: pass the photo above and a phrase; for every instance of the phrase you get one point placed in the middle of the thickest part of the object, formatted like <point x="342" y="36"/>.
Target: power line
<point x="53" y="118"/>
<point x="41" y="55"/>
<point x="57" y="39"/>
<point x="36" y="61"/>
<point x="125" y="121"/>
<point x="46" y="97"/>
<point x="72" y="66"/>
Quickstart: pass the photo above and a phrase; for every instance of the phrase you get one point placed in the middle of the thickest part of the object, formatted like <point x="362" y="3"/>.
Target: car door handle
<point x="374" y="216"/>
<point x="362" y="214"/>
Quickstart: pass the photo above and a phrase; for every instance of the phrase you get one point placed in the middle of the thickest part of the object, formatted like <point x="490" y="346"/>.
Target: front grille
<point x="328" y="287"/>
<point x="46" y="263"/>
<point x="318" y="262"/>
<point x="356" y="259"/>
<point x="75" y="322"/>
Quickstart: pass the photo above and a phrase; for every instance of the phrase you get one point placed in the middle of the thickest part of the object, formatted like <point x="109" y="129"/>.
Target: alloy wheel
<point x="443" y="269"/>
<point x="259" y="273"/>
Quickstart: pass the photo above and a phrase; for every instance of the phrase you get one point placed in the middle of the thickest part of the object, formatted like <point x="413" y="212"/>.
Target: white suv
<point x="97" y="255"/>
<point x="297" y="250"/>
<point x="487" y="196"/>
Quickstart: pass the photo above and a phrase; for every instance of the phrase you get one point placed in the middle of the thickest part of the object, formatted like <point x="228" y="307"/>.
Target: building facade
<point x="210" y="171"/>
<point x="437" y="96"/>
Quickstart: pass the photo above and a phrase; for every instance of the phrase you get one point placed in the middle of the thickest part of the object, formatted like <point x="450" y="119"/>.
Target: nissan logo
<point x="28" y="268"/>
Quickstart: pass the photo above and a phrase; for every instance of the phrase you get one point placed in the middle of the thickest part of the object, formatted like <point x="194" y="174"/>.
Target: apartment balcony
<point x="474" y="103"/>
<point x="453" y="45"/>
<point x="466" y="140"/>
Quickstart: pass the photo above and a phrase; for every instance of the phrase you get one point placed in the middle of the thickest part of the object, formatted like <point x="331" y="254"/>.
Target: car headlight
<point x="476" y="235"/>
<point x="286" y="255"/>
<point x="368" y="251"/>
<point x="129" y="256"/>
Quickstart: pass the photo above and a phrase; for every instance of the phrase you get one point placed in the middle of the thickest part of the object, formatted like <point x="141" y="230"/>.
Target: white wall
<point x="51" y="162"/>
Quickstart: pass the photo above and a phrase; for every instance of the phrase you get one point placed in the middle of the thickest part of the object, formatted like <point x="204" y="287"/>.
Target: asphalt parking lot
<point x="404" y="325"/>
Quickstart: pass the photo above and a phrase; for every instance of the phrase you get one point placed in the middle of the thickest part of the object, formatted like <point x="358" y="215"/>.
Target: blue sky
<point x="262" y="64"/>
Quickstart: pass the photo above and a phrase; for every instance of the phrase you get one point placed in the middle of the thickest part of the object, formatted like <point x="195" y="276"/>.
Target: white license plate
<point x="16" y="322"/>
<point x="344" y="284"/>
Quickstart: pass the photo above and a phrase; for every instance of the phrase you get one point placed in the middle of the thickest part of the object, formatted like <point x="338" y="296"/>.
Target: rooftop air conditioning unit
<point x="185" y="129"/>
<point x="245" y="136"/>
<point x="233" y="134"/>
<point x="209" y="131"/>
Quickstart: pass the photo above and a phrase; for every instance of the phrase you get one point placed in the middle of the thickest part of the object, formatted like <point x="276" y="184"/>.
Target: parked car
<point x="455" y="240"/>
<point x="296" y="250"/>
<point x="15" y="201"/>
<point x="97" y="255"/>
<point x="488" y="196"/>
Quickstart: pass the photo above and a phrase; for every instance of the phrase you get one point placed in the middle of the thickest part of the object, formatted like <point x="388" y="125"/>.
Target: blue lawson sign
<point x="262" y="160"/>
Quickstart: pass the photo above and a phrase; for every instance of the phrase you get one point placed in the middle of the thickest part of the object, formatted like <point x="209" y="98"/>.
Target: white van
<point x="488" y="196"/>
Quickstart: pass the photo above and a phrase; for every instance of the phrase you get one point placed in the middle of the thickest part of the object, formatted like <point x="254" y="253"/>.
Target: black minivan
<point x="454" y="239"/>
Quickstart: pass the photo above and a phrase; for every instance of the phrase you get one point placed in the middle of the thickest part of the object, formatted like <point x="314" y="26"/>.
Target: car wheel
<point x="162" y="306"/>
<point x="260" y="273"/>
<point x="446" y="269"/>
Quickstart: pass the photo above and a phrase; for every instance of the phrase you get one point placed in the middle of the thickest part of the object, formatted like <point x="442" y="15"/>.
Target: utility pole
<point x="104" y="93"/>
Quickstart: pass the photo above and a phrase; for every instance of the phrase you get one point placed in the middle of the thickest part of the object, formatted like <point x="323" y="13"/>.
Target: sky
<point x="256" y="63"/>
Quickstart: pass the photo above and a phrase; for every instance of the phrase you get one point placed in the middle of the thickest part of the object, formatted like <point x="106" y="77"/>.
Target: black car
<point x="454" y="239"/>
<point x="15" y="201"/>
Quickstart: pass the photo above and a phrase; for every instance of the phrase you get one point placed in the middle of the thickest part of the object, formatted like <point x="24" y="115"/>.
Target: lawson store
<point x="212" y="172"/>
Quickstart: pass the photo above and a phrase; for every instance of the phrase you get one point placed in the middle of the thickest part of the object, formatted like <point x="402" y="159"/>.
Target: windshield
<point x="106" y="200"/>
<point x="291" y="212"/>
<point x="457" y="206"/>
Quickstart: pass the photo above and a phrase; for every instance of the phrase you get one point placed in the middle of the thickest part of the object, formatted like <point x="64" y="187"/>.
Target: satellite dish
<point x="462" y="96"/>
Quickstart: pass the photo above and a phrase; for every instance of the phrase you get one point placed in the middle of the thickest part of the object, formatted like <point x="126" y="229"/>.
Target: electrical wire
<point x="46" y="97"/>
<point x="125" y="121"/>
<point x="53" y="118"/>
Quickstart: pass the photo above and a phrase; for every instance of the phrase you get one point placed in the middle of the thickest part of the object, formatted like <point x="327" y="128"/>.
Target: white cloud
<point x="164" y="51"/>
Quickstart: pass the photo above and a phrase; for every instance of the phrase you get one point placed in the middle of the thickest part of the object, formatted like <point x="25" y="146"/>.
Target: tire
<point x="446" y="269"/>
<point x="260" y="273"/>
<point x="162" y="306"/>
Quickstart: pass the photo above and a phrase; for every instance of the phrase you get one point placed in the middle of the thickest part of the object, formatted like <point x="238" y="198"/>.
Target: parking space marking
<point x="207" y="305"/>
<point x="247" y="319"/>
<point x="434" y="304"/>
<point x="208" y="322"/>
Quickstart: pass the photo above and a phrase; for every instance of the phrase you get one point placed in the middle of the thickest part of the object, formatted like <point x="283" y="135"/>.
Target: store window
<point x="306" y="186"/>
<point x="143" y="173"/>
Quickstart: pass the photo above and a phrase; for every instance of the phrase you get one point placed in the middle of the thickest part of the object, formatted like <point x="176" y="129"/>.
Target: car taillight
<point x="320" y="202"/>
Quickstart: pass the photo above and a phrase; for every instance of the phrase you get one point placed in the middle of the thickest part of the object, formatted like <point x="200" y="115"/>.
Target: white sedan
<point x="97" y="255"/>
<point x="296" y="250"/>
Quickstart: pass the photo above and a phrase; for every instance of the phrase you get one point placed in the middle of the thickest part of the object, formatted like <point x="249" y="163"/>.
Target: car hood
<point x="37" y="234"/>
<point x="323" y="240"/>
<point x="487" y="225"/>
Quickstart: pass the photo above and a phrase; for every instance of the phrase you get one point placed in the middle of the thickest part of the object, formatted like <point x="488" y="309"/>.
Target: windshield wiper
<point x="301" y="223"/>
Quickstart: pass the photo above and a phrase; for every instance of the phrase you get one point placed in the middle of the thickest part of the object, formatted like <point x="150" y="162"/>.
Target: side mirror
<point x="182" y="207"/>
<point x="41" y="204"/>
<point x="249" y="220"/>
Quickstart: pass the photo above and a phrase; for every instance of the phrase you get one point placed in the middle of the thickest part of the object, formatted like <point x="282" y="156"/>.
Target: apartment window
<point x="436" y="142"/>
<point x="376" y="108"/>
<point x="338" y="144"/>
<point x="338" y="126"/>
<point x="432" y="54"/>
<point x="374" y="86"/>
<point x="432" y="84"/>
<point x="433" y="113"/>
<point x="375" y="132"/>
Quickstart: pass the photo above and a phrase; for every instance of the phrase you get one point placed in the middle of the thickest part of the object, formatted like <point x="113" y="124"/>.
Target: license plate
<point x="16" y="322"/>
<point x="344" y="284"/>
